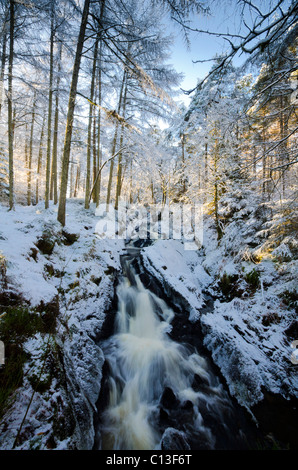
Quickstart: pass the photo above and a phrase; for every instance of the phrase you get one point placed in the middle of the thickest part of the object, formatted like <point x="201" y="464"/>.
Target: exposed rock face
<point x="69" y="238"/>
<point x="71" y="283"/>
<point x="248" y="342"/>
<point x="83" y="361"/>
<point x="174" y="440"/>
<point x="67" y="278"/>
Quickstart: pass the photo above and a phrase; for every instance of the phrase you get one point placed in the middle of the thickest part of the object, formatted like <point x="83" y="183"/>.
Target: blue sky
<point x="225" y="17"/>
<point x="182" y="60"/>
<point x="201" y="47"/>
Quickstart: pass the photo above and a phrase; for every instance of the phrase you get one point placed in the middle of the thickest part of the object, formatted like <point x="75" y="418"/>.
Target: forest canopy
<point x="85" y="86"/>
<point x="104" y="174"/>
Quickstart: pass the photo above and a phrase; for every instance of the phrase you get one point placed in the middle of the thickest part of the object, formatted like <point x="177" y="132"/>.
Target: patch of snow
<point x="80" y="275"/>
<point x="169" y="262"/>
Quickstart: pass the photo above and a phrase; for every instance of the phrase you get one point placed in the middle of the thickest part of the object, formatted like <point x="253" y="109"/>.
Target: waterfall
<point x="155" y="380"/>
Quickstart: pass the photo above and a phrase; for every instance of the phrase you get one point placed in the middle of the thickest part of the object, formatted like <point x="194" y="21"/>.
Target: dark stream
<point x="160" y="388"/>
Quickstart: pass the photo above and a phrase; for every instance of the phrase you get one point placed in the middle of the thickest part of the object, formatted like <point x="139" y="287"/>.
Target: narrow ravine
<point x="161" y="394"/>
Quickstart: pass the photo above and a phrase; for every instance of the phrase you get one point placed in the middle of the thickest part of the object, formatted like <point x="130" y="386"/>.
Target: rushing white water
<point x="143" y="361"/>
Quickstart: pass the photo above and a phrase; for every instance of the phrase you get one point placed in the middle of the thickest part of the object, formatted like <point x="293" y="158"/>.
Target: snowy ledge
<point x="43" y="264"/>
<point x="169" y="262"/>
<point x="246" y="337"/>
<point x="251" y="357"/>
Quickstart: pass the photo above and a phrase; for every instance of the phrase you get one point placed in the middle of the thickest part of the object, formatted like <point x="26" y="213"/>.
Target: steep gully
<point x="160" y="389"/>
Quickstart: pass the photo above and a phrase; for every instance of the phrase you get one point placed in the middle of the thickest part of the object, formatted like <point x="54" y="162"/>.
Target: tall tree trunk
<point x="71" y="181"/>
<point x="94" y="149"/>
<point x="216" y="193"/>
<point x="99" y="160"/>
<point x="9" y="103"/>
<point x="264" y="161"/>
<point x="205" y="172"/>
<point x="49" y="139"/>
<point x="97" y="151"/>
<point x="124" y="170"/>
<point x="164" y="191"/>
<point x="89" y="142"/>
<point x="152" y="192"/>
<point x="119" y="175"/>
<point x="119" y="170"/>
<point x="26" y="158"/>
<point x="54" y="176"/>
<point x="76" y="188"/>
<point x="97" y="180"/>
<point x="115" y="143"/>
<point x="39" y="160"/>
<point x="183" y="163"/>
<point x="283" y="128"/>
<point x="29" y="194"/>
<point x="130" y="183"/>
<point x="70" y="115"/>
<point x="3" y="61"/>
<point x="254" y="150"/>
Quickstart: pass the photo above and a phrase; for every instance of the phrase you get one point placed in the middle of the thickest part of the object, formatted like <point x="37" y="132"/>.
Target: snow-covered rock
<point x="168" y="261"/>
<point x="78" y="271"/>
<point x="246" y="336"/>
<point x="251" y="356"/>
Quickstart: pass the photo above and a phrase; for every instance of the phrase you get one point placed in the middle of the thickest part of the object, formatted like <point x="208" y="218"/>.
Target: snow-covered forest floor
<point x="68" y="278"/>
<point x="64" y="281"/>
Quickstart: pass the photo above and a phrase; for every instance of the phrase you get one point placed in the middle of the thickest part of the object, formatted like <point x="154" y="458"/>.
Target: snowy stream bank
<point x="76" y="272"/>
<point x="248" y="336"/>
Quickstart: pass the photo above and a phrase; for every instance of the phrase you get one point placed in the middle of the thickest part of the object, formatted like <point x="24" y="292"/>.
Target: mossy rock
<point x="292" y="330"/>
<point x="74" y="284"/>
<point x="17" y="325"/>
<point x="69" y="238"/>
<point x="33" y="253"/>
<point x="96" y="280"/>
<point x="49" y="268"/>
<point x="11" y="375"/>
<point x="46" y="244"/>
<point x="110" y="270"/>
<point x="270" y="318"/>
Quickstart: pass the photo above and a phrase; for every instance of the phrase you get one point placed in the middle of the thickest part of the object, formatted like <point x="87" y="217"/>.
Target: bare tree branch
<point x="263" y="34"/>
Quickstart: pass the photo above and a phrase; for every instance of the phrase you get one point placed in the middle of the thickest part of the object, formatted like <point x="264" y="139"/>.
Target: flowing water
<point x="156" y="383"/>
